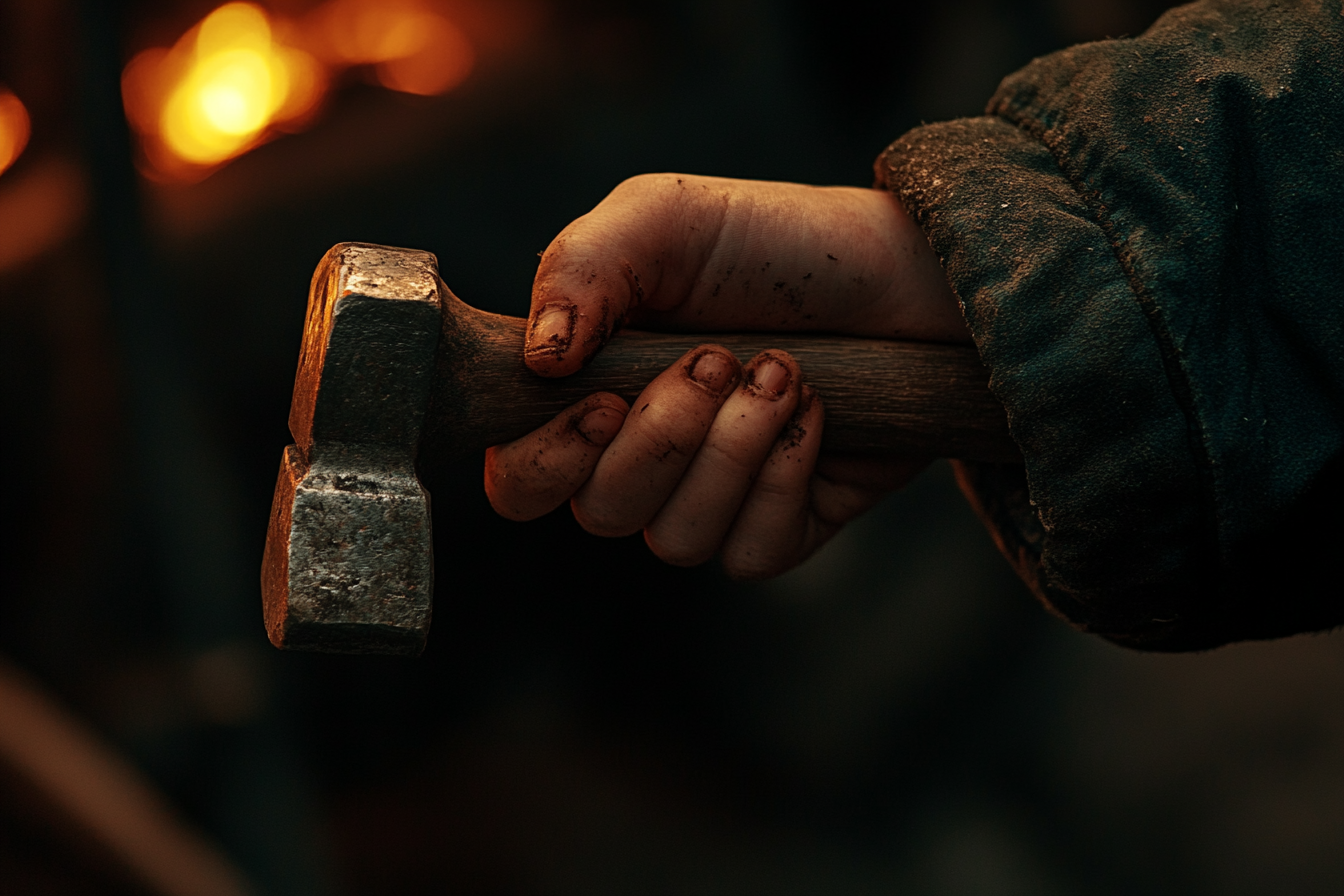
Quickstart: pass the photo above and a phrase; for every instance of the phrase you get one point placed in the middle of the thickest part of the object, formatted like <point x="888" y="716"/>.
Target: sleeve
<point x="1147" y="239"/>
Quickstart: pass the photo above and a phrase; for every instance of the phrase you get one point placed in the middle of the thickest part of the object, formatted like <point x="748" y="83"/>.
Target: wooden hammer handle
<point x="881" y="397"/>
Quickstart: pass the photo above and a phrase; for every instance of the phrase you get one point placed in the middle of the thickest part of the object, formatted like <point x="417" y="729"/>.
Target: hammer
<point x="394" y="367"/>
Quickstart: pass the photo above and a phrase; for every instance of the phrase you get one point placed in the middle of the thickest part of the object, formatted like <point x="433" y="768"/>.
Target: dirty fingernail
<point x="552" y="328"/>
<point x="770" y="378"/>
<point x="600" y="425"/>
<point x="714" y="370"/>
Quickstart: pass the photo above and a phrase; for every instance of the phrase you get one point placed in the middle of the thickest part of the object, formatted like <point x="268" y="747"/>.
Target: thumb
<point x="641" y="246"/>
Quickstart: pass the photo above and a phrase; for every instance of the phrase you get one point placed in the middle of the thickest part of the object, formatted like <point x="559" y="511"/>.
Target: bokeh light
<point x="242" y="75"/>
<point x="231" y="92"/>
<point x="14" y="128"/>
<point x="414" y="48"/>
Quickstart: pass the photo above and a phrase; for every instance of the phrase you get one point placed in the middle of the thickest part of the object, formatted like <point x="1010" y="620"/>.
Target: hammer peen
<point x="394" y="366"/>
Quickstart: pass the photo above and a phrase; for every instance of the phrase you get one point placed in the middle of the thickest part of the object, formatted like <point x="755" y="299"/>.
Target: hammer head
<point x="349" y="562"/>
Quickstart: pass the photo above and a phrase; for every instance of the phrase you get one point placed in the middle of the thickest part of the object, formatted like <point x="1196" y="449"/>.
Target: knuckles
<point x="664" y="434"/>
<point x="662" y="185"/>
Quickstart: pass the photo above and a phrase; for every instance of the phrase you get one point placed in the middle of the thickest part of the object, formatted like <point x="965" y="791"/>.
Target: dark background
<point x="897" y="715"/>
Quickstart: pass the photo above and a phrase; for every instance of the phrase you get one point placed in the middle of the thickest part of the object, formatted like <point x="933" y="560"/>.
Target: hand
<point x="717" y="457"/>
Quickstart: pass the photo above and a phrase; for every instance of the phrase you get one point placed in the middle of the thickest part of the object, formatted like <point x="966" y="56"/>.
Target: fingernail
<point x="769" y="378"/>
<point x="552" y="328"/>
<point x="600" y="425"/>
<point x="714" y="370"/>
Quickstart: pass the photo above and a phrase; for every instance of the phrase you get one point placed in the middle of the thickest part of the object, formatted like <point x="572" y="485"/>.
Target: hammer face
<point x="368" y="348"/>
<point x="348" y="568"/>
<point x="349" y="559"/>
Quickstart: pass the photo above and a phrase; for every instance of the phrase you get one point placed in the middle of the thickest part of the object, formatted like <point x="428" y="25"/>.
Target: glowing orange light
<point x="441" y="63"/>
<point x="218" y="90"/>
<point x="14" y="128"/>
<point x="413" y="48"/>
<point x="240" y="74"/>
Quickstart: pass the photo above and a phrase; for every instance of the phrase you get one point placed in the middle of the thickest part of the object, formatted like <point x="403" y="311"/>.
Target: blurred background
<point x="897" y="715"/>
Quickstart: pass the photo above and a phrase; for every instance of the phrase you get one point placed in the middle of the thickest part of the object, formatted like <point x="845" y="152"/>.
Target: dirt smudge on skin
<point x="794" y="432"/>
<point x="636" y="288"/>
<point x="792" y="435"/>
<point x="593" y="342"/>
<point x="792" y="295"/>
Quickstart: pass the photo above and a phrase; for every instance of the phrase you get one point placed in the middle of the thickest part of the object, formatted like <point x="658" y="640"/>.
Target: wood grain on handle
<point x="882" y="397"/>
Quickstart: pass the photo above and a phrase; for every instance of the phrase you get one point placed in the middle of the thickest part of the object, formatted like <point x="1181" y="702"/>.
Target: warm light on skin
<point x="239" y="76"/>
<point x="14" y="128"/>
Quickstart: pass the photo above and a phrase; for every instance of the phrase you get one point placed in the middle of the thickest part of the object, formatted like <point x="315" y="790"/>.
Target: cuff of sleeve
<point x="1105" y="521"/>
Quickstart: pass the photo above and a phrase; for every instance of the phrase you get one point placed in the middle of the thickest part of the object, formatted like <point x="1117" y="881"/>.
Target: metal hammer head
<point x="349" y="564"/>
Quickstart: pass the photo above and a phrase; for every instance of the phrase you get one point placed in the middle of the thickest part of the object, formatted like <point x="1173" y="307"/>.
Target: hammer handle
<point x="882" y="397"/>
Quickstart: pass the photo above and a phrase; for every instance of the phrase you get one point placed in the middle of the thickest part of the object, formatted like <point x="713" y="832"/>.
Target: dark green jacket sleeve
<point x="1147" y="238"/>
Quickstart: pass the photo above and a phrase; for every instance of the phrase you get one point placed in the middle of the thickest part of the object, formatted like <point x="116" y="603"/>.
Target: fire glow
<point x="14" y="128"/>
<point x="241" y="76"/>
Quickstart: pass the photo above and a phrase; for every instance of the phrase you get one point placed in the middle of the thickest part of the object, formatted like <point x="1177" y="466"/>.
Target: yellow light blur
<point x="234" y="26"/>
<point x="241" y="75"/>
<point x="234" y="88"/>
<point x="14" y="128"/>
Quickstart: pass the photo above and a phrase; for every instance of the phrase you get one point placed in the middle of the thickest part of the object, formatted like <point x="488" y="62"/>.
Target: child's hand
<point x="714" y="457"/>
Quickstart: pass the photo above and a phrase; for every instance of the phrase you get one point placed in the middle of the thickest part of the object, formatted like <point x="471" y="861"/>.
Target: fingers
<point x="690" y="526"/>
<point x="775" y="530"/>
<point x="534" y="475"/>
<point x="664" y="429"/>
<point x="712" y="458"/>
<point x="714" y="253"/>
<point x="800" y="500"/>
